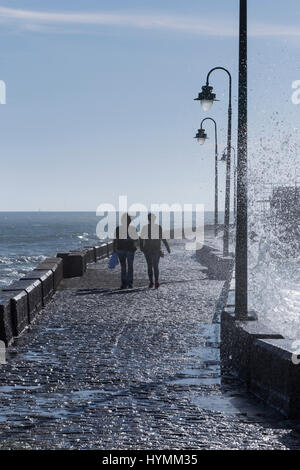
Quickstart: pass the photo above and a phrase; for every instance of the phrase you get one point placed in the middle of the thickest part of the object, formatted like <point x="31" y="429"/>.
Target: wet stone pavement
<point x="109" y="369"/>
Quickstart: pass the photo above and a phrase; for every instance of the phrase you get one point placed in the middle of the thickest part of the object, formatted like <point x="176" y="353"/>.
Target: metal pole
<point x="216" y="174"/>
<point x="234" y="187"/>
<point x="216" y="183"/>
<point x="228" y="178"/>
<point x="241" y="272"/>
<point x="228" y="163"/>
<point x="234" y="178"/>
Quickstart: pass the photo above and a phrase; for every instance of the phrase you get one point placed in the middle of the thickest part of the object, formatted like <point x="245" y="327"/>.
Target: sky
<point x="100" y="98"/>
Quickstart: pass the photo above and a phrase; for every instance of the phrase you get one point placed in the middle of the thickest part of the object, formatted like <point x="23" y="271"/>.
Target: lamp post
<point x="207" y="98"/>
<point x="224" y="159"/>
<point x="241" y="270"/>
<point x="201" y="137"/>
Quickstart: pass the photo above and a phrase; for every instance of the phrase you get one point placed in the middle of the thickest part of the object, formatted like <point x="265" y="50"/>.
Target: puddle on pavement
<point x="57" y="328"/>
<point x="198" y="381"/>
<point x="241" y="405"/>
<point x="52" y="414"/>
<point x="12" y="388"/>
<point x="203" y="362"/>
<point x="210" y="371"/>
<point x="10" y="416"/>
<point x="32" y="356"/>
<point x="210" y="334"/>
<point x="206" y="355"/>
<point x="85" y="394"/>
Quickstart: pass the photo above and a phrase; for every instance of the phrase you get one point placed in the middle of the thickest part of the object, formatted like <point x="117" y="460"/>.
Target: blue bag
<point x="113" y="261"/>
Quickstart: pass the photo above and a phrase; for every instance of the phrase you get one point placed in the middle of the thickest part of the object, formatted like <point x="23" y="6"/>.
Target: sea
<point x="27" y="238"/>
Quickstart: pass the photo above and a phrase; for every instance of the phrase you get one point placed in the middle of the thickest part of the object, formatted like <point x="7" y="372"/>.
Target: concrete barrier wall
<point x="22" y="300"/>
<point x="237" y="341"/>
<point x="74" y="263"/>
<point x="46" y="278"/>
<point x="33" y="290"/>
<point x="262" y="358"/>
<point x="6" y="320"/>
<point x="18" y="312"/>
<point x="56" y="266"/>
<point x="219" y="266"/>
<point x="97" y="252"/>
<point x="90" y="254"/>
<point x="274" y="377"/>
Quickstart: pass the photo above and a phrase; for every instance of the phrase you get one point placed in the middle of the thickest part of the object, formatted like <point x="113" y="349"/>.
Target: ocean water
<point x="27" y="238"/>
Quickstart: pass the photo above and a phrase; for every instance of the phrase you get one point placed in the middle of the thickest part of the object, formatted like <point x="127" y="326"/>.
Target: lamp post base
<point x="230" y="309"/>
<point x="251" y="315"/>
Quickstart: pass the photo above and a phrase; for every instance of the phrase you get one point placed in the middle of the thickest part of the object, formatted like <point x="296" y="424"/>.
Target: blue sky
<point x="100" y="97"/>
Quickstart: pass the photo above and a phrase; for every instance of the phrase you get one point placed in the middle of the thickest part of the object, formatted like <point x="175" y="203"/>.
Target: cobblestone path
<point x="110" y="369"/>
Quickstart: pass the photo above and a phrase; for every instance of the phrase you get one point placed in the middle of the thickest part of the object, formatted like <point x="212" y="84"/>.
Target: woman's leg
<point x="155" y="262"/>
<point x="148" y="257"/>
<point x="122" y="259"/>
<point x="130" y="259"/>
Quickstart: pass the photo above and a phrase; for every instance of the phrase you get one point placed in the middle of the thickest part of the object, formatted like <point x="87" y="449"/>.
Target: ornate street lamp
<point x="201" y="137"/>
<point x="207" y="99"/>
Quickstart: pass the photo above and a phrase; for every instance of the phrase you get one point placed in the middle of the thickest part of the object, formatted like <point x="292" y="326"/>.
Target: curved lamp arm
<point x="229" y="76"/>
<point x="216" y="130"/>
<point x="234" y="152"/>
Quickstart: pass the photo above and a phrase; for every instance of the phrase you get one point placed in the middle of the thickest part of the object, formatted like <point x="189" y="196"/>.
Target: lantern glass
<point x="206" y="105"/>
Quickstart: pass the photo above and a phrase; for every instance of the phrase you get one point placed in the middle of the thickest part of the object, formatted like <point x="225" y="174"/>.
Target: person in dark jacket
<point x="150" y="243"/>
<point x="125" y="242"/>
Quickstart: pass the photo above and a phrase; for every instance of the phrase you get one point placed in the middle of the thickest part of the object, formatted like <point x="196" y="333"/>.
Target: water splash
<point x="274" y="246"/>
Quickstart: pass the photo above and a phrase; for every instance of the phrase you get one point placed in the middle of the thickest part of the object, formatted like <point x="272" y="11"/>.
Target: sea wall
<point x="262" y="358"/>
<point x="219" y="266"/>
<point x="23" y="300"/>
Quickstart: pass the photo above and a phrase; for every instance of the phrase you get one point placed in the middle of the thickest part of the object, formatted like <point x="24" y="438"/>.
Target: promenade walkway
<point x="110" y="369"/>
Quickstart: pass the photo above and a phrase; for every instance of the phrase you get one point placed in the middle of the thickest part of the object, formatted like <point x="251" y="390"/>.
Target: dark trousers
<point x="126" y="259"/>
<point x="152" y="263"/>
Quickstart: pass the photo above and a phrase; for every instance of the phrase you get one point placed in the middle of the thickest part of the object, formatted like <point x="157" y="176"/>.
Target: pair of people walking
<point x="126" y="243"/>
